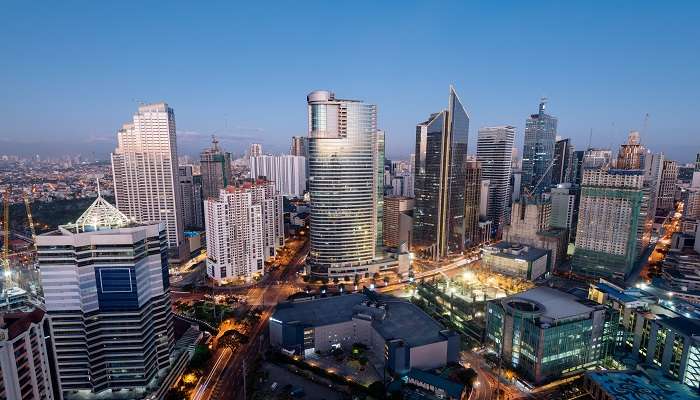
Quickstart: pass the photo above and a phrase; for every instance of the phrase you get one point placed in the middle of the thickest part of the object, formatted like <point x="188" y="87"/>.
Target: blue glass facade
<point x="538" y="151"/>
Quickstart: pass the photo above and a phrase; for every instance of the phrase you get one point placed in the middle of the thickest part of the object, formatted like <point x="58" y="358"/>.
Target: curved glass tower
<point x="343" y="184"/>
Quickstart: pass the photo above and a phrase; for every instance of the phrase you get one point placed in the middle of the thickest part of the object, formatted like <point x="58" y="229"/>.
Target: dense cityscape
<point x="496" y="261"/>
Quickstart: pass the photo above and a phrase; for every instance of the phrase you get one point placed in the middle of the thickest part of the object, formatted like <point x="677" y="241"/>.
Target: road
<point x="225" y="381"/>
<point x="205" y="385"/>
<point x="487" y="381"/>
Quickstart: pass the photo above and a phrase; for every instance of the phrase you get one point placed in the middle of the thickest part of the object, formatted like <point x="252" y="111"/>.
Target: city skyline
<point x="223" y="97"/>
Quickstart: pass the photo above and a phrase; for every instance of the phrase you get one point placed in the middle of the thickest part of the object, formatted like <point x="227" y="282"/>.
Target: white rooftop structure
<point x="100" y="215"/>
<point x="550" y="305"/>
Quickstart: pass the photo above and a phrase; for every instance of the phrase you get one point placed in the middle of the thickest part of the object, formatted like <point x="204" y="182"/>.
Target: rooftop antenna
<point x="99" y="194"/>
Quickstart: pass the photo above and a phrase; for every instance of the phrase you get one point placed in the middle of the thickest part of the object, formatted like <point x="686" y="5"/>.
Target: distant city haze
<point x="242" y="71"/>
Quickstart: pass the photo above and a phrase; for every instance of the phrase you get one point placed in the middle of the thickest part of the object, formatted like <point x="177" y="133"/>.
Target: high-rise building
<point x="144" y="167"/>
<point x="667" y="186"/>
<point x="530" y="225"/>
<point x="472" y="202"/>
<point x="493" y="149"/>
<point x="300" y="146"/>
<point x="538" y="150"/>
<point x="255" y="150"/>
<point x="440" y="173"/>
<point x="286" y="171"/>
<point x="24" y="356"/>
<point x="186" y="187"/>
<point x="345" y="183"/>
<point x="215" y="167"/>
<point x="563" y="169"/>
<point x="631" y="154"/>
<point x="609" y="218"/>
<point x="653" y="168"/>
<point x="397" y="228"/>
<point x="697" y="162"/>
<point x="565" y="209"/>
<point x="244" y="228"/>
<point x="106" y="286"/>
<point x="198" y="198"/>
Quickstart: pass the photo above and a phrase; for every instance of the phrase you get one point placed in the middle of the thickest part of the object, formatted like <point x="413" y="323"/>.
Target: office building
<point x="300" y="146"/>
<point x="402" y="185"/>
<point x="563" y="168"/>
<point x="493" y="149"/>
<point x="144" y="167"/>
<point x="516" y="260"/>
<point x="667" y="186"/>
<point x="215" y="167"/>
<point x="609" y="218"/>
<point x="538" y="150"/>
<point x="398" y="221"/>
<point x="399" y="333"/>
<point x="472" y="203"/>
<point x="106" y="287"/>
<point x="286" y="171"/>
<point x="564" y="214"/>
<point x="530" y="225"/>
<point x="653" y="168"/>
<point x="198" y="202"/>
<point x="24" y="356"/>
<point x="545" y="333"/>
<point x="186" y="186"/>
<point x="345" y="184"/>
<point x="441" y="151"/>
<point x="244" y="227"/>
<point x="484" y="198"/>
<point x="631" y="154"/>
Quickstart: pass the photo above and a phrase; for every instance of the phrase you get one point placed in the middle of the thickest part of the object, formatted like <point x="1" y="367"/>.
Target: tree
<point x="377" y="390"/>
<point x="377" y="275"/>
<point x="346" y="278"/>
<point x="336" y="280"/>
<point x="386" y="280"/>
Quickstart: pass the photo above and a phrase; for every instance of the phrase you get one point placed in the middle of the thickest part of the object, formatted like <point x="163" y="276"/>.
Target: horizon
<point x="223" y="73"/>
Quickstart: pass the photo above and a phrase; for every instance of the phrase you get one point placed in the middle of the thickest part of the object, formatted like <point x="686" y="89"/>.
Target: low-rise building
<point x="627" y="385"/>
<point x="399" y="331"/>
<point x="516" y="260"/>
<point x="546" y="333"/>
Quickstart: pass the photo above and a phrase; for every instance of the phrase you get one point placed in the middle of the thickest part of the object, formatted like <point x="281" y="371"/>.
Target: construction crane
<point x="6" y="235"/>
<point x="30" y="220"/>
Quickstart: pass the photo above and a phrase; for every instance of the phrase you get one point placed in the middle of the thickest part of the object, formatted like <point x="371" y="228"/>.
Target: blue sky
<point x="72" y="72"/>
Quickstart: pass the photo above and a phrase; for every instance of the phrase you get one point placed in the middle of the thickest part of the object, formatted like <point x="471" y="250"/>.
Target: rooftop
<point x="634" y="385"/>
<point x="100" y="215"/>
<point x="518" y="251"/>
<point x="17" y="323"/>
<point x="552" y="303"/>
<point x="393" y="319"/>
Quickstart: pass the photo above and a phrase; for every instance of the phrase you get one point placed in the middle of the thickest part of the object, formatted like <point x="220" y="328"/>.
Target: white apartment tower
<point x="244" y="227"/>
<point x="288" y="172"/>
<point x="494" y="149"/>
<point x="24" y="356"/>
<point x="145" y="171"/>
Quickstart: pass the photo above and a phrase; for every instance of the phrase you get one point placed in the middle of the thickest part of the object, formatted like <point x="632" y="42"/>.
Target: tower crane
<point x="6" y="235"/>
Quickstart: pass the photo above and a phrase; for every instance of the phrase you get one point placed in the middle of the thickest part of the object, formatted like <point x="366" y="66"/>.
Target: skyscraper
<point x="472" y="202"/>
<point x="255" y="150"/>
<point x="565" y="209"/>
<point x="563" y="169"/>
<point x="287" y="171"/>
<point x="344" y="184"/>
<point x="198" y="219"/>
<point x="144" y="167"/>
<point x="244" y="228"/>
<point x="440" y="174"/>
<point x="494" y="149"/>
<point x="397" y="218"/>
<point x="538" y="150"/>
<point x="631" y="154"/>
<point x="300" y="146"/>
<point x="106" y="287"/>
<point x="186" y="187"/>
<point x="609" y="218"/>
<point x="667" y="186"/>
<point x="215" y="166"/>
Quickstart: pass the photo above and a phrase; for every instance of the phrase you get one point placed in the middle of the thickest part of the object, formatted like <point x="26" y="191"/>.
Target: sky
<point x="72" y="72"/>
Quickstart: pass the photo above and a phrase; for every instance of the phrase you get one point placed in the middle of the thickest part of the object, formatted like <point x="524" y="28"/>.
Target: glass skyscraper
<point x="440" y="167"/>
<point x="538" y="151"/>
<point x="345" y="184"/>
